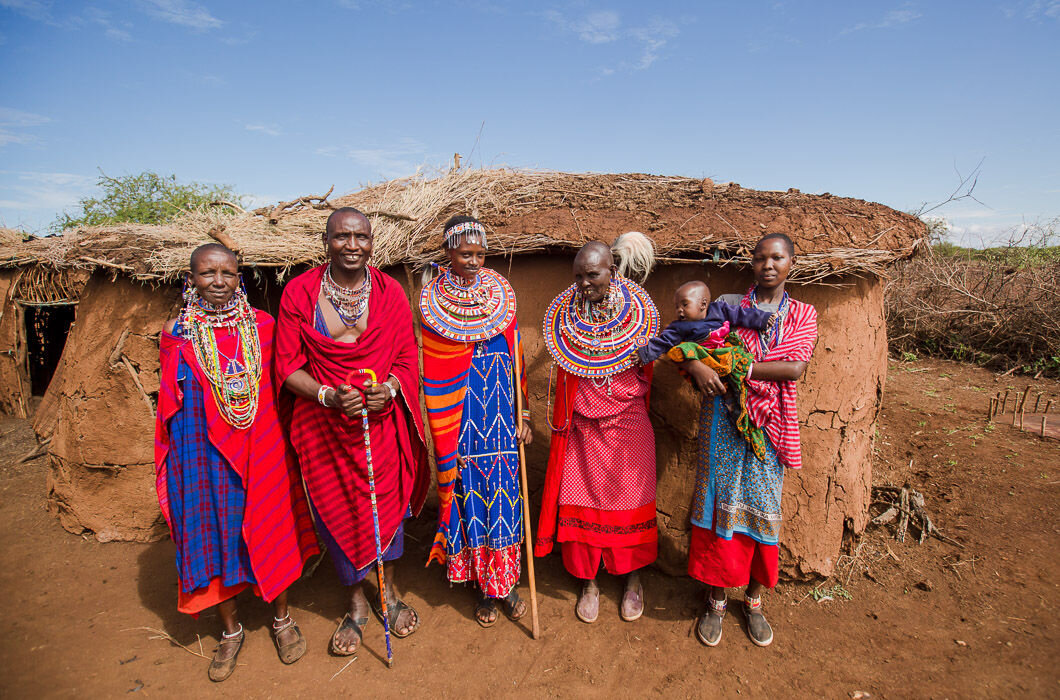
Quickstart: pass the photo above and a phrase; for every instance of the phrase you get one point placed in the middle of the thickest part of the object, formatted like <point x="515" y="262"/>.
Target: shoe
<point x="709" y="625"/>
<point x="758" y="628"/>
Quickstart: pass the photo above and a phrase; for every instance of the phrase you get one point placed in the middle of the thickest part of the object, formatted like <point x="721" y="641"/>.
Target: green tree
<point x="147" y="198"/>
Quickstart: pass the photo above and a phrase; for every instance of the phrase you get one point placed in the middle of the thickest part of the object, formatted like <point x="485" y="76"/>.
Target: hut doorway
<point x="46" y="330"/>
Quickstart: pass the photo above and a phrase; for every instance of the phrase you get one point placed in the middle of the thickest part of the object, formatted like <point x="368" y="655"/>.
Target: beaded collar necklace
<point x="599" y="340"/>
<point x="468" y="312"/>
<point x="235" y="385"/>
<point x="349" y="304"/>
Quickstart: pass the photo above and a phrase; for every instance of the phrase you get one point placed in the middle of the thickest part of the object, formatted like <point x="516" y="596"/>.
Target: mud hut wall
<point x="102" y="462"/>
<point x="14" y="369"/>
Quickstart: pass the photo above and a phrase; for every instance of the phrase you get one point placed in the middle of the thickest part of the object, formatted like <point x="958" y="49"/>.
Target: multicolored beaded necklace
<point x="349" y="304"/>
<point x="465" y="312"/>
<point x="599" y="340"/>
<point x="234" y="387"/>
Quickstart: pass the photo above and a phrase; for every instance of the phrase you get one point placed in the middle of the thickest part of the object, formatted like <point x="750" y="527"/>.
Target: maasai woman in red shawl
<point x="469" y="339"/>
<point x="599" y="498"/>
<point x="227" y="483"/>
<point x="335" y="319"/>
<point x="736" y="506"/>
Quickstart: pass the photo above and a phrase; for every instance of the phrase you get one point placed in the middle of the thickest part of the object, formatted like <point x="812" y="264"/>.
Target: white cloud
<point x="33" y="9"/>
<point x="600" y="27"/>
<point x="396" y="160"/>
<point x="182" y="12"/>
<point x="894" y="18"/>
<point x="653" y="36"/>
<point x="267" y="129"/>
<point x="101" y="18"/>
<point x="35" y="191"/>
<point x="605" y="27"/>
<point x="14" y="121"/>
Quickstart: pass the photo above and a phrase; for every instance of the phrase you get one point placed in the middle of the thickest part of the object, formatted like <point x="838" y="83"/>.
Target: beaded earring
<point x="189" y="291"/>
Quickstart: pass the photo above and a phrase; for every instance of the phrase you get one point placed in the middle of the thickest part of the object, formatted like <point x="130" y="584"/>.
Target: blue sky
<point x="885" y="101"/>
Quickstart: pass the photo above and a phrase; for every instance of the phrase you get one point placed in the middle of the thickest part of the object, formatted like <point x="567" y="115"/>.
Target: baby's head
<point x="692" y="299"/>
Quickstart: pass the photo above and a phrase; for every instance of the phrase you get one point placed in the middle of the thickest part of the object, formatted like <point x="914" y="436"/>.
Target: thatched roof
<point x="9" y="236"/>
<point x="526" y="211"/>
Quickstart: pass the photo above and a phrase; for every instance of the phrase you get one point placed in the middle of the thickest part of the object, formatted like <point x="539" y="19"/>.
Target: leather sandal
<point x="511" y="605"/>
<point x="291" y="651"/>
<point x="221" y="669"/>
<point x="483" y="607"/>
<point x="348" y="623"/>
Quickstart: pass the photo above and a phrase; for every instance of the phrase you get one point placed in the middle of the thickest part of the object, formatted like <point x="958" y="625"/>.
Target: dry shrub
<point x="996" y="307"/>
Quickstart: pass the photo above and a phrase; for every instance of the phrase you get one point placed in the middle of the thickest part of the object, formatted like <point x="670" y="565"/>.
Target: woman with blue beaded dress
<point x="470" y="337"/>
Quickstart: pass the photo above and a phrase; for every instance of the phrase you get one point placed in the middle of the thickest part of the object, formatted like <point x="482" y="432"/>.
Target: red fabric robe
<point x="620" y="528"/>
<point x="330" y="447"/>
<point x="277" y="527"/>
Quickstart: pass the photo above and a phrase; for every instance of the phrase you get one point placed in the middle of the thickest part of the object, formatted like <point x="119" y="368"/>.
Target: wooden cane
<point x="535" y="628"/>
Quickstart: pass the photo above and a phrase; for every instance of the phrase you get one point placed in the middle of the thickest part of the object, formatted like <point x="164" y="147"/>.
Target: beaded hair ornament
<point x="469" y="232"/>
<point x="233" y="383"/>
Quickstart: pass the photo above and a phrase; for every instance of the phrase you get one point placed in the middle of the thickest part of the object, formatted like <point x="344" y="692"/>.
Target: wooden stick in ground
<point x="1048" y="405"/>
<point x="1004" y="402"/>
<point x="1037" y="401"/>
<point x="1021" y="415"/>
<point x="1043" y="425"/>
<point x="535" y="628"/>
<point x="990" y="409"/>
<point x="1023" y="399"/>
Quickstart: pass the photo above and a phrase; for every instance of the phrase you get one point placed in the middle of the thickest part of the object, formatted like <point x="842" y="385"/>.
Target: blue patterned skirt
<point x="735" y="491"/>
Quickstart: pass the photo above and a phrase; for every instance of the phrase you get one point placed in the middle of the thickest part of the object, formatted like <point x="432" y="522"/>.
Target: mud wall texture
<point x="102" y="449"/>
<point x="14" y="373"/>
<point x="102" y="463"/>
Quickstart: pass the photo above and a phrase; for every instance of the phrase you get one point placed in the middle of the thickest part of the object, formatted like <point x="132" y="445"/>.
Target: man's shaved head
<point x="210" y="248"/>
<point x="596" y="251"/>
<point x="344" y="212"/>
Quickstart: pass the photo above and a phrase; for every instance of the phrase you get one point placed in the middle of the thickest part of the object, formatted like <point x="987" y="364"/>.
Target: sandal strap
<point x="285" y="626"/>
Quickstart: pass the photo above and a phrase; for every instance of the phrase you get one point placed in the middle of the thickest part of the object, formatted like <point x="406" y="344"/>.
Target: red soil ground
<point x="932" y="620"/>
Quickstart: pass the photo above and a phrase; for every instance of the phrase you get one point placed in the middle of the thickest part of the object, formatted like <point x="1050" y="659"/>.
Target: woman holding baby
<point x="736" y="504"/>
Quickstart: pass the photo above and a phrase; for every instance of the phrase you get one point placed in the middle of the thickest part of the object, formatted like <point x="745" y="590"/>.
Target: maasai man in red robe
<point x="334" y="320"/>
<point x="736" y="504"/>
<point x="227" y="482"/>
<point x="599" y="498"/>
<point x="470" y="340"/>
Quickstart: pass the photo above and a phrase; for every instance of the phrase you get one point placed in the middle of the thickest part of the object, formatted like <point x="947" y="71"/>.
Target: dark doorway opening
<point x="46" y="331"/>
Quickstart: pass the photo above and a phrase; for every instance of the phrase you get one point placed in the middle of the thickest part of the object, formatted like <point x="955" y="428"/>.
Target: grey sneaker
<point x="757" y="628"/>
<point x="709" y="626"/>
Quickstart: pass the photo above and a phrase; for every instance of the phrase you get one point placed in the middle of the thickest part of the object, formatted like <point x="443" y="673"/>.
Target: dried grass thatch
<point x="527" y="211"/>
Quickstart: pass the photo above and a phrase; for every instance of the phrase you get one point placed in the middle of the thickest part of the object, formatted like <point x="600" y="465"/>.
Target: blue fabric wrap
<point x="206" y="498"/>
<point x="487" y="501"/>
<point x="735" y="492"/>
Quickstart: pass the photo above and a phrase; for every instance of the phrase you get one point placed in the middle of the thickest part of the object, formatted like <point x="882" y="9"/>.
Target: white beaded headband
<point x="469" y="231"/>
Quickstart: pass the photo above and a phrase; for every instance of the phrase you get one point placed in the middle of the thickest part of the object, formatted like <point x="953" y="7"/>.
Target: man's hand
<point x="348" y="401"/>
<point x="378" y="395"/>
<point x="706" y="379"/>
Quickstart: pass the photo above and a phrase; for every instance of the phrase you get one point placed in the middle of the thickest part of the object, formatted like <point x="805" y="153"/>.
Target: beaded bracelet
<point x="322" y="394"/>
<point x="526" y="414"/>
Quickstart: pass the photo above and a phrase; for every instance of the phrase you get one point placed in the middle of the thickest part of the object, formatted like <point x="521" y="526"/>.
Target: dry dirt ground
<point x="897" y="620"/>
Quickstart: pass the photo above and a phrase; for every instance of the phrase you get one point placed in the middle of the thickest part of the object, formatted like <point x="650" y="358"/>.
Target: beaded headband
<point x="469" y="231"/>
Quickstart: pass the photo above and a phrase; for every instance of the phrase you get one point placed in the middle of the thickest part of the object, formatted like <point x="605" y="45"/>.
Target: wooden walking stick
<point x="535" y="628"/>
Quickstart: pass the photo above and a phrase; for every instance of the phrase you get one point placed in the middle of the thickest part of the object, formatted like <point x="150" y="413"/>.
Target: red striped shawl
<point x="772" y="404"/>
